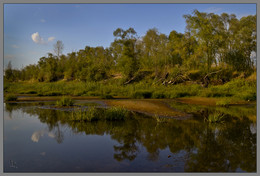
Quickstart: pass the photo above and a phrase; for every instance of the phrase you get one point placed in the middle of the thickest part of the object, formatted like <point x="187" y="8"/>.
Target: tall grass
<point x="65" y="101"/>
<point x="216" y="117"/>
<point x="243" y="89"/>
<point x="94" y="114"/>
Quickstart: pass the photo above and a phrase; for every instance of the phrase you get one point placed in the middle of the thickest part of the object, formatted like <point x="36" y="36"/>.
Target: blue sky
<point x="30" y="30"/>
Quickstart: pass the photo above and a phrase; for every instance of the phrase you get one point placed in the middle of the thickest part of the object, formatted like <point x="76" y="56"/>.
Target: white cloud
<point x="36" y="136"/>
<point x="43" y="20"/>
<point x="15" y="46"/>
<point x="213" y="10"/>
<point x="51" y="39"/>
<point x="37" y="38"/>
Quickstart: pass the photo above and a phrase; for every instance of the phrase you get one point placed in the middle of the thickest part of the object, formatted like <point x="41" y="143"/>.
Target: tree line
<point x="209" y="41"/>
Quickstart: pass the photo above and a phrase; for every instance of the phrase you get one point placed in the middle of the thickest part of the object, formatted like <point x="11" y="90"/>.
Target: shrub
<point x="65" y="101"/>
<point x="53" y="93"/>
<point x="195" y="74"/>
<point x="93" y="93"/>
<point x="248" y="96"/>
<point x="28" y="92"/>
<point x="158" y="94"/>
<point x="11" y="97"/>
<point x="179" y="94"/>
<point x="142" y="94"/>
<point x="107" y="96"/>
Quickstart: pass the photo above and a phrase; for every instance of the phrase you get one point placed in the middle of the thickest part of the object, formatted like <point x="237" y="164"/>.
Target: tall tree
<point x="58" y="48"/>
<point x="205" y="28"/>
<point x="9" y="72"/>
<point x="128" y="60"/>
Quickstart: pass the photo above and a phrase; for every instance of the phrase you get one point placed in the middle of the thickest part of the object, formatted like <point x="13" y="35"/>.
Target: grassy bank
<point x="236" y="90"/>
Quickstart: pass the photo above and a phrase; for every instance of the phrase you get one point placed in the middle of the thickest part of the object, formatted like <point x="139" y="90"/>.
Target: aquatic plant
<point x="160" y="119"/>
<point x="115" y="113"/>
<point x="215" y="117"/>
<point x="65" y="101"/>
<point x="94" y="114"/>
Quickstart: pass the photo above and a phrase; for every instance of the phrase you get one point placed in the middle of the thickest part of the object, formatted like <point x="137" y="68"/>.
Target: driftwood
<point x="204" y="81"/>
<point x="130" y="80"/>
<point x="206" y="78"/>
<point x="137" y="77"/>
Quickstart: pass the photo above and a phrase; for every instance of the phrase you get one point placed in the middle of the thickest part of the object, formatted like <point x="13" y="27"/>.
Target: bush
<point x="158" y="94"/>
<point x="53" y="94"/>
<point x="107" y="96"/>
<point x="142" y="94"/>
<point x="28" y="92"/>
<point x="195" y="74"/>
<point x="248" y="96"/>
<point x="93" y="93"/>
<point x="11" y="97"/>
<point x="179" y="94"/>
<point x="65" y="101"/>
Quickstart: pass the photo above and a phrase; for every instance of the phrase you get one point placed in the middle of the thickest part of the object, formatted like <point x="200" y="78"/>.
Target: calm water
<point x="37" y="139"/>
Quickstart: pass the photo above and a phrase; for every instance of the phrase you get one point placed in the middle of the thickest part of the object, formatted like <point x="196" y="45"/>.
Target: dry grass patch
<point x="208" y="101"/>
<point x="151" y="107"/>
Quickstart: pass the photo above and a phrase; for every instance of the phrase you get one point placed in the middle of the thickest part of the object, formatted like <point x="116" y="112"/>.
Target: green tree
<point x="9" y="72"/>
<point x="127" y="61"/>
<point x="206" y="29"/>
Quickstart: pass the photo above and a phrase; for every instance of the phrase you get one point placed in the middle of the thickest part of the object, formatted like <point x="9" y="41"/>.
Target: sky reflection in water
<point x="43" y="140"/>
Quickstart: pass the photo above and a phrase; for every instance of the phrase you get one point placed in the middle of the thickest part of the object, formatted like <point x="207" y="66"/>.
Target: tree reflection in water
<point x="208" y="147"/>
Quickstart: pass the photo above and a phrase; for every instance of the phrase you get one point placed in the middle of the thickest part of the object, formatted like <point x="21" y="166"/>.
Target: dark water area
<point x="38" y="139"/>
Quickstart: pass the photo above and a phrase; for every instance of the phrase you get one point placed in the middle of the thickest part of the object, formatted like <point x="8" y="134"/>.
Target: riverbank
<point x="151" y="107"/>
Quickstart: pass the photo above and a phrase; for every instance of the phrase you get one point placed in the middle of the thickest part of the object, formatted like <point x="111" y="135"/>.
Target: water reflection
<point x="204" y="147"/>
<point x="37" y="134"/>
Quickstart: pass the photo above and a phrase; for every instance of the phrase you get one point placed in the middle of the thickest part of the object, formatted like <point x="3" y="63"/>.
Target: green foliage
<point x="65" y="101"/>
<point x="142" y="94"/>
<point x="107" y="96"/>
<point x="206" y="46"/>
<point x="247" y="95"/>
<point x="158" y="94"/>
<point x="10" y="97"/>
<point x="30" y="92"/>
<point x="94" y="114"/>
<point x="223" y="102"/>
<point x="195" y="74"/>
<point x="182" y="90"/>
<point x="216" y="117"/>
<point x="115" y="113"/>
